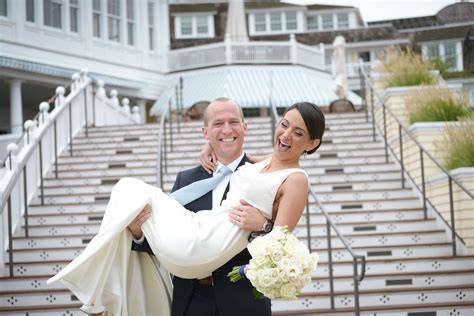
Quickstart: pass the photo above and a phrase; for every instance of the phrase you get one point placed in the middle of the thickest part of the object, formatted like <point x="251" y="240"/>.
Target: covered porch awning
<point x="258" y="86"/>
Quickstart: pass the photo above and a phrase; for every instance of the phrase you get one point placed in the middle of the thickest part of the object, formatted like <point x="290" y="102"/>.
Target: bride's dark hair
<point x="314" y="120"/>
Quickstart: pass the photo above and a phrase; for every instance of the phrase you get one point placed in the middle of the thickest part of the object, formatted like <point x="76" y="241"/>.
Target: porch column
<point x="141" y="103"/>
<point x="16" y="112"/>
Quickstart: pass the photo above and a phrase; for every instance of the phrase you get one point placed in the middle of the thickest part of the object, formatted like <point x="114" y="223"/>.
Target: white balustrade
<point x="258" y="52"/>
<point x="45" y="137"/>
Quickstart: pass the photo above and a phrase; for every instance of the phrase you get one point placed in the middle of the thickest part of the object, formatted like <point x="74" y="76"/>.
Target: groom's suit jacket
<point x="232" y="299"/>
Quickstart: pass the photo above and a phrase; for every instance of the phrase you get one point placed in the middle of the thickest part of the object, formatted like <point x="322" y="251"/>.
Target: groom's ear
<point x="204" y="132"/>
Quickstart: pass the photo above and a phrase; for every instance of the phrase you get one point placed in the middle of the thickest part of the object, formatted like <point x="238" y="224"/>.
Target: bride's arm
<point x="293" y="196"/>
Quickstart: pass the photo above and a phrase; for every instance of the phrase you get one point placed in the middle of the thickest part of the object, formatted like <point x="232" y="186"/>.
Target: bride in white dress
<point x="108" y="277"/>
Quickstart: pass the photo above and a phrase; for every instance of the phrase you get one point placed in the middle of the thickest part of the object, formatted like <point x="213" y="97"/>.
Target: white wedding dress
<point x="108" y="276"/>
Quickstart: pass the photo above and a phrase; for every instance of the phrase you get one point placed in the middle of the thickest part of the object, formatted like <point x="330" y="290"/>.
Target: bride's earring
<point x="304" y="153"/>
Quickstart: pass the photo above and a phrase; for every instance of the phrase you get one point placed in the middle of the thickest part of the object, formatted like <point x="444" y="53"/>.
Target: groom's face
<point x="225" y="130"/>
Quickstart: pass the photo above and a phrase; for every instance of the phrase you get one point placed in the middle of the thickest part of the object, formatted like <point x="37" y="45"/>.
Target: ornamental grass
<point x="435" y="104"/>
<point x="460" y="144"/>
<point x="405" y="68"/>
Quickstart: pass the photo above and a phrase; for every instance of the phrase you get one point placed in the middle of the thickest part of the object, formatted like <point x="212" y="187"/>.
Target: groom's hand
<point x="247" y="217"/>
<point x="135" y="226"/>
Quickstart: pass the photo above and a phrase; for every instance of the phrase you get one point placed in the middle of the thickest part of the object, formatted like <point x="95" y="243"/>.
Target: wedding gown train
<point x="108" y="276"/>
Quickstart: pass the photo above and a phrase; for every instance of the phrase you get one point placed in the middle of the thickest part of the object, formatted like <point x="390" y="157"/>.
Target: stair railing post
<point x="25" y="199"/>
<point x="70" y="129"/>
<point x="164" y="149"/>
<point x="385" y="133"/>
<point x="373" y="111"/>
<point x="41" y="172"/>
<point x="363" y="91"/>
<point x="308" y="225"/>
<point x="330" y="267"/>
<point x="10" y="236"/>
<point x="170" y="125"/>
<point x="94" y="92"/>
<point x="179" y="106"/>
<point x="423" y="189"/>
<point x="85" y="111"/>
<point x="356" y="287"/>
<point x="55" y="150"/>
<point x="451" y="209"/>
<point x="401" y="155"/>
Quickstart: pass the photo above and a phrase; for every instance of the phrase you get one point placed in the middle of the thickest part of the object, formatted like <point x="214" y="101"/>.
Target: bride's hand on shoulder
<point x="135" y="226"/>
<point x="208" y="158"/>
<point x="247" y="217"/>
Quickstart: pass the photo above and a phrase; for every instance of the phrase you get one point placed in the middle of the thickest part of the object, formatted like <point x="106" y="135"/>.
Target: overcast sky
<point x="375" y="10"/>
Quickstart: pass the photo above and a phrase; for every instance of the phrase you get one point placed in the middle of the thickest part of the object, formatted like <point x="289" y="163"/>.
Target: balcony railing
<point x="228" y="53"/>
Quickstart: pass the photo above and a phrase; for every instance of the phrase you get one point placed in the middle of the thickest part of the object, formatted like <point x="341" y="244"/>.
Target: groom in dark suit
<point x="225" y="129"/>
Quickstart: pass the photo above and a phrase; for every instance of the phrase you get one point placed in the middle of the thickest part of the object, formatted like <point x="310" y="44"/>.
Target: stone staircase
<point x="410" y="269"/>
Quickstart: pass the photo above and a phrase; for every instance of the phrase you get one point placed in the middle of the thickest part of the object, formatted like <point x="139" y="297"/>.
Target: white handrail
<point x="49" y="134"/>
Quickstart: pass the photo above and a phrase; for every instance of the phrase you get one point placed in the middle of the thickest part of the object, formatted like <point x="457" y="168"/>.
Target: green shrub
<point x="435" y="104"/>
<point x="405" y="68"/>
<point x="460" y="144"/>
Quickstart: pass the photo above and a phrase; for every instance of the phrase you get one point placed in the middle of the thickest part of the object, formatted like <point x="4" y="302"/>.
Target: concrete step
<point x="375" y="266"/>
<point x="394" y="299"/>
<point x="392" y="249"/>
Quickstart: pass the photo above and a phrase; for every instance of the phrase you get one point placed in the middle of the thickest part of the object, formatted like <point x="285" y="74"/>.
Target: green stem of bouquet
<point x="234" y="275"/>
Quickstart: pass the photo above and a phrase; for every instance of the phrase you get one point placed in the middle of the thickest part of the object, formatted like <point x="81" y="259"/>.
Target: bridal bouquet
<point x="280" y="267"/>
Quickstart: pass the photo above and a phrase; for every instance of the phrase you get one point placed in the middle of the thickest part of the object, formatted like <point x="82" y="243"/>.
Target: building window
<point x="74" y="15"/>
<point x="151" y="25"/>
<point x="186" y="25"/>
<point x="472" y="97"/>
<point x="192" y="26"/>
<point x="52" y="13"/>
<point x="113" y="11"/>
<point x="291" y="21"/>
<point x="275" y="21"/>
<point x="30" y="11"/>
<point x="96" y="18"/>
<point x="450" y="56"/>
<point x="260" y="22"/>
<point x="3" y="8"/>
<point x="202" y="27"/>
<point x="444" y="51"/>
<point x="342" y="20"/>
<point x="432" y="51"/>
<point x="130" y="23"/>
<point x="327" y="22"/>
<point x="312" y="22"/>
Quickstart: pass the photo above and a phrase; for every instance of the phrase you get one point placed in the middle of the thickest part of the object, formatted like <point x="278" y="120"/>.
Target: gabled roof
<point x="375" y="33"/>
<point x="455" y="13"/>
<point x="269" y="5"/>
<point x="326" y="7"/>
<point x="442" y="33"/>
<point x="410" y="23"/>
<point x="185" y="8"/>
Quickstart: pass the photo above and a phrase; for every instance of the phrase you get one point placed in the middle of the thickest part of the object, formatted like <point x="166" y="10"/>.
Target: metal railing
<point x="165" y="106"/>
<point x="355" y="257"/>
<point x="403" y="131"/>
<point x="329" y="225"/>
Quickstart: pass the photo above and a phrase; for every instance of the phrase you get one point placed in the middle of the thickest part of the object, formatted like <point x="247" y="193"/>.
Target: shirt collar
<point x="233" y="165"/>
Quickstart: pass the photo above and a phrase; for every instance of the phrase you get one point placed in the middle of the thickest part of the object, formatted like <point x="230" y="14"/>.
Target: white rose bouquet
<point x="280" y="267"/>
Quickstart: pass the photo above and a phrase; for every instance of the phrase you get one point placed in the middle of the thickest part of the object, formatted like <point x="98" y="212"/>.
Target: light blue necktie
<point x="197" y="189"/>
